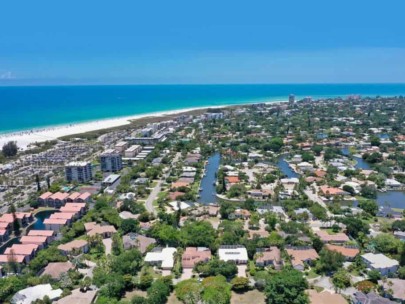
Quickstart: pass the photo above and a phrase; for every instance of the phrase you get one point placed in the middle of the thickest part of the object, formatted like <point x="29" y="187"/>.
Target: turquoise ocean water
<point x="25" y="108"/>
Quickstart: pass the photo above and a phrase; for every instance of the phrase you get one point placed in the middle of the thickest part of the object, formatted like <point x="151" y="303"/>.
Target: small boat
<point x="201" y="189"/>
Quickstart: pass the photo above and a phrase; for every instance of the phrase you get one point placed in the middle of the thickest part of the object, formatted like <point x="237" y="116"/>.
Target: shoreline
<point x="24" y="138"/>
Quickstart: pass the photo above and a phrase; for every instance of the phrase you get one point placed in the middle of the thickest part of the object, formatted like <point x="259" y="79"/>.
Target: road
<point x="156" y="190"/>
<point x="317" y="199"/>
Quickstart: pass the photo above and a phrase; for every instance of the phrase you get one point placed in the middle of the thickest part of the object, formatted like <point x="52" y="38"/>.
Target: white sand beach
<point x="27" y="137"/>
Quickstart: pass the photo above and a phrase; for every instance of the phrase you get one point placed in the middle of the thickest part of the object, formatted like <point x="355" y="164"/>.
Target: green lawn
<point x="312" y="274"/>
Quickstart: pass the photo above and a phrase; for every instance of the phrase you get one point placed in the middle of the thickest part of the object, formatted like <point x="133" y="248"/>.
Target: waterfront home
<point x="394" y="288"/>
<point x="387" y="211"/>
<point x="392" y="184"/>
<point x="133" y="240"/>
<point x="305" y="167"/>
<point x="268" y="256"/>
<point x="41" y="241"/>
<point x="301" y="256"/>
<point x="349" y="252"/>
<point x="178" y="184"/>
<point x="78" y="209"/>
<point x="43" y="198"/>
<point x="325" y="237"/>
<point x="34" y="293"/>
<point x="161" y="257"/>
<point x="28" y="250"/>
<point x="49" y="234"/>
<point x="74" y="247"/>
<point x="194" y="255"/>
<point x="174" y="195"/>
<point x="63" y="216"/>
<point x="55" y="224"/>
<point x="55" y="270"/>
<point x="380" y="262"/>
<point x="258" y="194"/>
<point x="235" y="253"/>
<point x="331" y="191"/>
<point x="57" y="199"/>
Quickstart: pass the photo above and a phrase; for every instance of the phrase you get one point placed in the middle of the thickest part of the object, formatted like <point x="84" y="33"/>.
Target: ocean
<point x="31" y="107"/>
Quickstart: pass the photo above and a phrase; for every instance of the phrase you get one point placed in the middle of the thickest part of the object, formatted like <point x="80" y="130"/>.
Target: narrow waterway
<point x="394" y="199"/>
<point x="208" y="187"/>
<point x="285" y="168"/>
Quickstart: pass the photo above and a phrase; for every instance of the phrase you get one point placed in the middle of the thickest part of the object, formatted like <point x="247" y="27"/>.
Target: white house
<point x="31" y="294"/>
<point x="162" y="257"/>
<point x="236" y="253"/>
<point x="305" y="166"/>
<point x="380" y="262"/>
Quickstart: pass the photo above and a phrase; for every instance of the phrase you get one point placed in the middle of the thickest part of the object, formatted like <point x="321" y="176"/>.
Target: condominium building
<point x="111" y="161"/>
<point x="78" y="171"/>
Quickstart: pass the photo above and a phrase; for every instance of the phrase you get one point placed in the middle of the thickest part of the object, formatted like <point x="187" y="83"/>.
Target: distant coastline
<point x="26" y="137"/>
<point x="31" y="114"/>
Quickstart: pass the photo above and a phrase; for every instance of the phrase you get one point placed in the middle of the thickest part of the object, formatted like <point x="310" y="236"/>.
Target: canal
<point x="208" y="183"/>
<point x="285" y="168"/>
<point x="394" y="199"/>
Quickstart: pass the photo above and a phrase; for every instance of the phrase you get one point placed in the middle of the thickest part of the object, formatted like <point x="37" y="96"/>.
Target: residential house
<point x="325" y="297"/>
<point x="74" y="247"/>
<point x="55" y="270"/>
<point x="338" y="237"/>
<point x="268" y="256"/>
<point x="349" y="252"/>
<point x="369" y="298"/>
<point x="194" y="255"/>
<point x="394" y="288"/>
<point x="235" y="253"/>
<point x="133" y="240"/>
<point x="301" y="256"/>
<point x="380" y="262"/>
<point x="161" y="257"/>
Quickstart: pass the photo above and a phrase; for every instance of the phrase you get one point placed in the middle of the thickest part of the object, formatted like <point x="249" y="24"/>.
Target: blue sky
<point x="126" y="41"/>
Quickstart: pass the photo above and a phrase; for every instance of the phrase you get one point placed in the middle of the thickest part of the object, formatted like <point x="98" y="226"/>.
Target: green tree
<point x="189" y="291"/>
<point x="386" y="243"/>
<point x="117" y="247"/>
<point x="341" y="280"/>
<point x="240" y="283"/>
<point x="216" y="290"/>
<point x="10" y="149"/>
<point x="129" y="225"/>
<point x="330" y="261"/>
<point x="286" y="287"/>
<point x="374" y="276"/>
<point x="369" y="206"/>
<point x="198" y="233"/>
<point x="217" y="267"/>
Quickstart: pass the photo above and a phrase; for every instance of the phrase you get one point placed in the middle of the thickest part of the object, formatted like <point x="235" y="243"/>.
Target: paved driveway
<point x="107" y="244"/>
<point x="242" y="270"/>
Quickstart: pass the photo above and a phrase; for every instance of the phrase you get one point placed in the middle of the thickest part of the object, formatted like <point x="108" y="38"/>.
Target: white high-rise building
<point x="78" y="171"/>
<point x="111" y="161"/>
